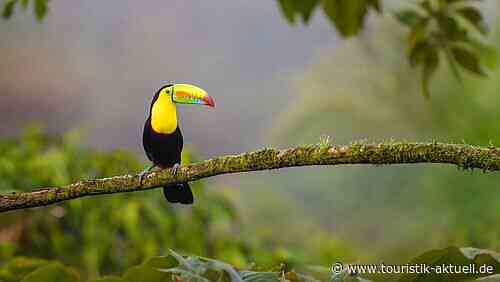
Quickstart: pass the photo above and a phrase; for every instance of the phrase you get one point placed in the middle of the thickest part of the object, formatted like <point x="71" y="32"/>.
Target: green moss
<point x="464" y="156"/>
<point x="356" y="150"/>
<point x="324" y="142"/>
<point x="51" y="196"/>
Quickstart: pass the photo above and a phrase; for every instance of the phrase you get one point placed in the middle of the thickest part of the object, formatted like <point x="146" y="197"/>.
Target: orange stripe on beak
<point x="182" y="94"/>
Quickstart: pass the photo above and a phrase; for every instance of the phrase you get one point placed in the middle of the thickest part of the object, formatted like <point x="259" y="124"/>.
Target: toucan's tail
<point x="179" y="193"/>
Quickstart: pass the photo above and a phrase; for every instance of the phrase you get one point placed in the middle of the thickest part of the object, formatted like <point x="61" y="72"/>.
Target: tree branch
<point x="464" y="156"/>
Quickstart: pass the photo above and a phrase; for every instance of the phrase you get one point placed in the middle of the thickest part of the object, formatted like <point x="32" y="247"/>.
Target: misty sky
<point x="96" y="64"/>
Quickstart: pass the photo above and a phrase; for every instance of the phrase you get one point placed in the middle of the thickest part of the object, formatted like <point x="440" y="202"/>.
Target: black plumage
<point x="164" y="150"/>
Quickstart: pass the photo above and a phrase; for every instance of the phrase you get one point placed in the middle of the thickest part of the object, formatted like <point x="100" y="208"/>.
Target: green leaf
<point x="224" y="267"/>
<point x="376" y="5"/>
<point x="8" y="8"/>
<point x="305" y="8"/>
<point x="482" y="255"/>
<point x="331" y="9"/>
<point x="491" y="278"/>
<point x="346" y="15"/>
<point x="199" y="269"/>
<point x="408" y="17"/>
<point x="458" y="1"/>
<point x="431" y="64"/>
<point x="149" y="271"/>
<point x="52" y="273"/>
<point x="161" y="262"/>
<point x="451" y="29"/>
<point x="288" y="10"/>
<point x="454" y="256"/>
<point x="426" y="5"/>
<point x="417" y="34"/>
<point x="186" y="275"/>
<point x="215" y="275"/>
<point x="183" y="262"/>
<point x="24" y="3"/>
<point x="474" y="17"/>
<point x="40" y="9"/>
<point x="21" y="266"/>
<point x="487" y="53"/>
<point x="420" y="53"/>
<point x="467" y="60"/>
<point x="250" y="276"/>
<point x="347" y="277"/>
<point x="145" y="273"/>
<point x="293" y="276"/>
<point x="453" y="64"/>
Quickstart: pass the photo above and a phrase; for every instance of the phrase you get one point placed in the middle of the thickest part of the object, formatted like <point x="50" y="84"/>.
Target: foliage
<point x="402" y="209"/>
<point x="30" y="269"/>
<point x="105" y="234"/>
<point x="455" y="256"/>
<point x="348" y="16"/>
<point x="40" y="7"/>
<point x="175" y="267"/>
<point x="455" y="28"/>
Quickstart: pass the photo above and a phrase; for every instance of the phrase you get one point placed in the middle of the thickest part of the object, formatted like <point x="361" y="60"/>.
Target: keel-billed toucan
<point x="162" y="137"/>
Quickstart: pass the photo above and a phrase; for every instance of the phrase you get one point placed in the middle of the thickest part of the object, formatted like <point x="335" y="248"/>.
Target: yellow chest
<point x="164" y="115"/>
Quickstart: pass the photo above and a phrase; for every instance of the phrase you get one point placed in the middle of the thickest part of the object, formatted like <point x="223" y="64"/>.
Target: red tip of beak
<point x="209" y="101"/>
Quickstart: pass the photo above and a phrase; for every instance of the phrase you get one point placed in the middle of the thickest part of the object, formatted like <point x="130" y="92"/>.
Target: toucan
<point x="162" y="137"/>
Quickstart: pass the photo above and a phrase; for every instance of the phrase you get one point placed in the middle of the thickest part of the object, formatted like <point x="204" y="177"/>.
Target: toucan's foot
<point x="144" y="172"/>
<point x="175" y="168"/>
<point x="141" y="177"/>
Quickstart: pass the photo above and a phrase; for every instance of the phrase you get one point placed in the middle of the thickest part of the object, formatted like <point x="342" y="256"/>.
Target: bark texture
<point x="464" y="156"/>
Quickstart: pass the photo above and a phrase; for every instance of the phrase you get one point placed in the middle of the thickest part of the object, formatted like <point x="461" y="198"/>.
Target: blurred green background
<point x="74" y="91"/>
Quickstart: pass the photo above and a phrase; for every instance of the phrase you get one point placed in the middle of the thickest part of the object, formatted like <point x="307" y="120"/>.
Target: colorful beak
<point x="190" y="94"/>
<point x="209" y="101"/>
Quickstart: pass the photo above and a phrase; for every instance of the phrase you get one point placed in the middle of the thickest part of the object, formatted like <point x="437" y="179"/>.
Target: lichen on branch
<point x="464" y="156"/>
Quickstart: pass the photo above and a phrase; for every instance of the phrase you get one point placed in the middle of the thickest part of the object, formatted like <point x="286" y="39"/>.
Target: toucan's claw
<point x="144" y="172"/>
<point x="175" y="168"/>
<point x="141" y="177"/>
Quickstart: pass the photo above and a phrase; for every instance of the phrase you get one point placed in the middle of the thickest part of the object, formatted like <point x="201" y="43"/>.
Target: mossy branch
<point x="464" y="156"/>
